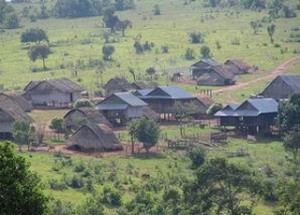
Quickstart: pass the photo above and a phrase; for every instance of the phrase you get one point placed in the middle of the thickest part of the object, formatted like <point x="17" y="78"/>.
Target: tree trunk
<point x="132" y="145"/>
<point x="181" y="126"/>
<point x="123" y="32"/>
<point x="44" y="65"/>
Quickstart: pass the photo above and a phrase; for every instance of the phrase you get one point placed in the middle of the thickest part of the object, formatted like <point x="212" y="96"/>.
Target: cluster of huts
<point x="92" y="128"/>
<point x="257" y="115"/>
<point x="208" y="72"/>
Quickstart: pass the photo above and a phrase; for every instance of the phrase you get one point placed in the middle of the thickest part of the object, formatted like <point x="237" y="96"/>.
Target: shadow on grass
<point x="148" y="156"/>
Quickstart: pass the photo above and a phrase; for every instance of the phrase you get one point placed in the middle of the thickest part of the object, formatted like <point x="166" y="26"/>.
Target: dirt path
<point x="282" y="68"/>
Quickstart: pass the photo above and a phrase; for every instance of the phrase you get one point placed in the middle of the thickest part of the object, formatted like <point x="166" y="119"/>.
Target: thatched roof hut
<point x="150" y="114"/>
<point x="116" y="85"/>
<point x="238" y="66"/>
<point x="16" y="99"/>
<point x="94" y="138"/>
<point x="90" y="115"/>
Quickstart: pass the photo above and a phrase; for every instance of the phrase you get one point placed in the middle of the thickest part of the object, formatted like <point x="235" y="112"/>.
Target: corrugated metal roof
<point x="111" y="107"/>
<point x="265" y="105"/>
<point x="143" y="92"/>
<point x="130" y="99"/>
<point x="228" y="110"/>
<point x="292" y="80"/>
<point x="173" y="92"/>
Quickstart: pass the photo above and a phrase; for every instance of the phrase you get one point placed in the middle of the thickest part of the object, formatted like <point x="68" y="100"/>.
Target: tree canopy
<point x="34" y="35"/>
<point x="20" y="189"/>
<point x="39" y="52"/>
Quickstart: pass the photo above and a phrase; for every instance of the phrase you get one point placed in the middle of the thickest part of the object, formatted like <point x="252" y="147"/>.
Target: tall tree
<point x="108" y="51"/>
<point x="271" y="31"/>
<point x="39" y="52"/>
<point x="151" y="72"/>
<point x="205" y="52"/>
<point x="254" y="25"/>
<point x="35" y="35"/>
<point x="58" y="126"/>
<point x="122" y="25"/>
<point x="292" y="143"/>
<point x="21" y="132"/>
<point x="20" y="189"/>
<point x="184" y="111"/>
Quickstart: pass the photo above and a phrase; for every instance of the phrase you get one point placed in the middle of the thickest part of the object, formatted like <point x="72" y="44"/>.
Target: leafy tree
<point x="196" y="37"/>
<point x="35" y="35"/>
<point x="21" y="190"/>
<point x="197" y="156"/>
<point x="110" y="19"/>
<point x="39" y="52"/>
<point x="21" y="133"/>
<point x="205" y="52"/>
<point x="221" y="188"/>
<point x="133" y="128"/>
<point x="183" y="111"/>
<point x="271" y="31"/>
<point x="214" y="108"/>
<point x="292" y="143"/>
<point x="108" y="51"/>
<point x="151" y="72"/>
<point x="147" y="132"/>
<point x="3" y="6"/>
<point x="58" y="126"/>
<point x="288" y="12"/>
<point x="189" y="54"/>
<point x="12" y="21"/>
<point x="156" y="10"/>
<point x="138" y="47"/>
<point x="254" y="25"/>
<point x="122" y="25"/>
<point x="81" y="103"/>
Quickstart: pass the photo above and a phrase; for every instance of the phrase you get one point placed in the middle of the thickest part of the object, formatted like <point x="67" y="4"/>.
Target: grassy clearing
<point x="80" y="39"/>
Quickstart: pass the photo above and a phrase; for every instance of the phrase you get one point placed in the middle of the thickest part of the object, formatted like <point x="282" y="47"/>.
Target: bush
<point x="189" y="54"/>
<point x="80" y="103"/>
<point x="196" y="37"/>
<point x="55" y="184"/>
<point x="165" y="49"/>
<point x="12" y="21"/>
<point x="79" y="167"/>
<point x="76" y="182"/>
<point x="197" y="157"/>
<point x="111" y="196"/>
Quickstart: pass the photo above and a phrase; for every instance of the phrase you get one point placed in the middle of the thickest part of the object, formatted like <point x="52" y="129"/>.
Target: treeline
<point x="84" y="8"/>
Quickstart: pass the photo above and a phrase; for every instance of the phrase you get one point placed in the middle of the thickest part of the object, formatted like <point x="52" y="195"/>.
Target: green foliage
<point x="107" y="51"/>
<point x="21" y="132"/>
<point x="156" y="10"/>
<point x="292" y="142"/>
<point x="151" y="72"/>
<point x="197" y="157"/>
<point x="21" y="190"/>
<point x="91" y="207"/>
<point x="189" y="54"/>
<point x="57" y="207"/>
<point x="12" y="21"/>
<point x="34" y="35"/>
<point x="271" y="31"/>
<point x="82" y="103"/>
<point x="39" y="52"/>
<point x="205" y="52"/>
<point x="184" y="111"/>
<point x="111" y="196"/>
<point x="214" y="108"/>
<point x="58" y="126"/>
<point x="196" y="37"/>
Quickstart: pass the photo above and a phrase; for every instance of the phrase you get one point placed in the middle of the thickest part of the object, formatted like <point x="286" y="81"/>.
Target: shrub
<point x="55" y="184"/>
<point x="111" y="196"/>
<point x="165" y="49"/>
<point x="196" y="37"/>
<point x="197" y="157"/>
<point x="189" y="54"/>
<point x="79" y="167"/>
<point x="12" y="21"/>
<point x="80" y="103"/>
<point x="76" y="182"/>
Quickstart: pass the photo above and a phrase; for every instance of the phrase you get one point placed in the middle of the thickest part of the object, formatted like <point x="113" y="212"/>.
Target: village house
<point x="216" y="76"/>
<point x="16" y="99"/>
<point x="120" y="108"/>
<point x="81" y="116"/>
<point x="254" y="116"/>
<point x="163" y="100"/>
<point x="282" y="87"/>
<point x="10" y="112"/>
<point x="202" y="66"/>
<point x="94" y="138"/>
<point x="238" y="66"/>
<point x="55" y="93"/>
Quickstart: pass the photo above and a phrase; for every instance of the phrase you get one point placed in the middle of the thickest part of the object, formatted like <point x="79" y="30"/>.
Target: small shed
<point x="80" y="116"/>
<point x="16" y="99"/>
<point x="202" y="66"/>
<point x="120" y="108"/>
<point x="282" y="87"/>
<point x="56" y="93"/>
<point x="216" y="76"/>
<point x="94" y="138"/>
<point x="9" y="113"/>
<point x="238" y="66"/>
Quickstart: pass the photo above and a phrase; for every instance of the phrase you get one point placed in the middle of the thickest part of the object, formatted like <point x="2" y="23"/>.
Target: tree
<point x="34" y="35"/>
<point x="107" y="51"/>
<point x="81" y="103"/>
<point x="196" y="37"/>
<point x="183" y="111"/>
<point x="39" y="52"/>
<point x="21" y="133"/>
<point x="205" y="52"/>
<point x="156" y="10"/>
<point x="197" y="156"/>
<point x="21" y="190"/>
<point x="147" y="131"/>
<point x="254" y="25"/>
<point x="110" y="19"/>
<point x="3" y="6"/>
<point x="151" y="72"/>
<point x="189" y="54"/>
<point x="214" y="108"/>
<point x="58" y="126"/>
<point x="292" y="143"/>
<point x="132" y="72"/>
<point x="222" y="188"/>
<point x="271" y="31"/>
<point x="12" y="21"/>
<point x="133" y="128"/>
<point x="122" y="25"/>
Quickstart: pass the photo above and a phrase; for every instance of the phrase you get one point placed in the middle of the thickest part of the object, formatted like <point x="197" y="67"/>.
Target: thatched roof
<point x="240" y="64"/>
<point x="150" y="114"/>
<point x="94" y="138"/>
<point x="16" y="99"/>
<point x="223" y="71"/>
<point x="62" y="84"/>
<point x="91" y="114"/>
<point x="117" y="84"/>
<point x="205" y="100"/>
